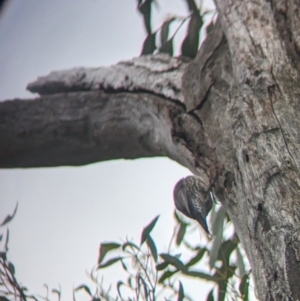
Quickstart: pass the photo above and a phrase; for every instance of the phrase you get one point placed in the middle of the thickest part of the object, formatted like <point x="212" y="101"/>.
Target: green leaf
<point x="6" y="241"/>
<point x="124" y="266"/>
<point x="56" y="291"/>
<point x="210" y="296"/>
<point x="1" y="236"/>
<point x="180" y="292"/>
<point x="105" y="248"/>
<point x="167" y="275"/>
<point x="228" y="218"/>
<point x="162" y="266"/>
<point x="130" y="244"/>
<point x="192" y="5"/>
<point x="149" y="45"/>
<point x="119" y="284"/>
<point x="222" y="289"/>
<point x="215" y="249"/>
<point x="225" y="250"/>
<point x="129" y="281"/>
<point x="9" y="217"/>
<point x="85" y="288"/>
<point x="145" y="9"/>
<point x="210" y="27"/>
<point x="201" y="275"/>
<point x="196" y="258"/>
<point x="213" y="214"/>
<point x="192" y="248"/>
<point x="3" y="298"/>
<point x="180" y="234"/>
<point x="147" y="230"/>
<point x="190" y="44"/>
<point x="11" y="268"/>
<point x="244" y="287"/>
<point x="174" y="261"/>
<point x="240" y="263"/>
<point x="218" y="222"/>
<point x="145" y="286"/>
<point x="217" y="230"/>
<point x="179" y="219"/>
<point x="109" y="262"/>
<point x="152" y="247"/>
<point x="225" y="272"/>
<point x="167" y="47"/>
<point x="164" y="32"/>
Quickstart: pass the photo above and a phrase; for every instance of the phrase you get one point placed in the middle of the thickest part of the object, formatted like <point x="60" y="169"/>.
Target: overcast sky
<point x="64" y="213"/>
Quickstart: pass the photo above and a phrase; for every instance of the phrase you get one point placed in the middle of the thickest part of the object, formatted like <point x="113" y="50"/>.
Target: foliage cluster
<point x="152" y="275"/>
<point x="189" y="45"/>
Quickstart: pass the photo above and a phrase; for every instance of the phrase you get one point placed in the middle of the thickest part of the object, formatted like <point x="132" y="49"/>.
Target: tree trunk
<point x="231" y="116"/>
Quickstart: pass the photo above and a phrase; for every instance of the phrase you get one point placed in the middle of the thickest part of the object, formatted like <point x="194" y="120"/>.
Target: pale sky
<point x="64" y="213"/>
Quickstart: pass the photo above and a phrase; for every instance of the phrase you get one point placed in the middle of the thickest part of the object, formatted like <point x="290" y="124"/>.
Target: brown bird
<point x="193" y="200"/>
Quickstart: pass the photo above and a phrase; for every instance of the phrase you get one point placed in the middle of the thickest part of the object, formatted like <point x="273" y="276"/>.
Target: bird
<point x="193" y="200"/>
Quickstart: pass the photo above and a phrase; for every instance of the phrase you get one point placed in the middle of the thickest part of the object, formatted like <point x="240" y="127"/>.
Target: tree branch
<point x="83" y="127"/>
<point x="85" y="116"/>
<point x="159" y="74"/>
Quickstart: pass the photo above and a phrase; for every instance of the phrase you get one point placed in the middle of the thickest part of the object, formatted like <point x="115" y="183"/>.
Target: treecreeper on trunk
<point x="193" y="200"/>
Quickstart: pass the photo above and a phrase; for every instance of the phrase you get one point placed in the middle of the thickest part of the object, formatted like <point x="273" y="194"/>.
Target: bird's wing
<point x="182" y="205"/>
<point x="197" y="210"/>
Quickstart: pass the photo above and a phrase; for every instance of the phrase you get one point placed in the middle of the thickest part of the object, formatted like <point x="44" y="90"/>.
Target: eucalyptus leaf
<point x="201" y="275"/>
<point x="145" y="9"/>
<point x="106" y="248"/>
<point x="152" y="247"/>
<point x="218" y="222"/>
<point x="244" y="287"/>
<point x="124" y="265"/>
<point x="11" y="268"/>
<point x="85" y="288"/>
<point x="162" y="266"/>
<point x="191" y="5"/>
<point x="215" y="249"/>
<point x="109" y="263"/>
<point x="180" y="234"/>
<point x="149" y="44"/>
<point x="119" y="284"/>
<point x="129" y="244"/>
<point x="167" y="275"/>
<point x="210" y="296"/>
<point x="240" y="263"/>
<point x="217" y="231"/>
<point x="225" y="250"/>
<point x="9" y="217"/>
<point x="222" y="289"/>
<point x="190" y="44"/>
<point x="164" y="31"/>
<point x="167" y="47"/>
<point x="180" y="292"/>
<point x="147" y="230"/>
<point x="196" y="258"/>
<point x="174" y="261"/>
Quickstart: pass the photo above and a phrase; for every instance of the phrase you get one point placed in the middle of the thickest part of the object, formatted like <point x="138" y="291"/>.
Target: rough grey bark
<point x="231" y="116"/>
<point x="78" y="128"/>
